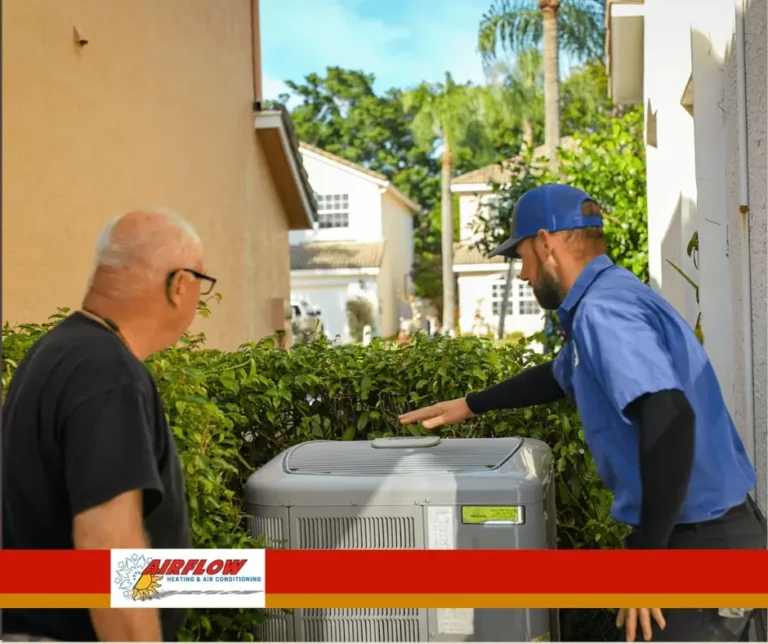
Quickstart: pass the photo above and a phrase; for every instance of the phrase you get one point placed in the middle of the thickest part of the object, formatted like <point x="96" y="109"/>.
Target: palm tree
<point x="445" y="112"/>
<point x="515" y="94"/>
<point x="577" y="27"/>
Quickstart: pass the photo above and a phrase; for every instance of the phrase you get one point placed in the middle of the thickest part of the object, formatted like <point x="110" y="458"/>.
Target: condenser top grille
<point x="361" y="458"/>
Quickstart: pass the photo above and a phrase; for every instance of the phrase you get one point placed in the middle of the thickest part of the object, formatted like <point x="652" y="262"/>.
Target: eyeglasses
<point x="205" y="289"/>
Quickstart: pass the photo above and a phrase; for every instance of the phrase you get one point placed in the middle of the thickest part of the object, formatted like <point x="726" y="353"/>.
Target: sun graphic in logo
<point x="132" y="580"/>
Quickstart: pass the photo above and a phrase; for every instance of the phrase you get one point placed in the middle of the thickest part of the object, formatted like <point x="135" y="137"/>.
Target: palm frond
<point x="509" y="26"/>
<point x="513" y="26"/>
<point x="581" y="28"/>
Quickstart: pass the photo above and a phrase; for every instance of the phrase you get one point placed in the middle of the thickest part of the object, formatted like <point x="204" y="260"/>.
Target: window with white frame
<point x="521" y="300"/>
<point x="526" y="300"/>
<point x="332" y="211"/>
<point x="497" y="296"/>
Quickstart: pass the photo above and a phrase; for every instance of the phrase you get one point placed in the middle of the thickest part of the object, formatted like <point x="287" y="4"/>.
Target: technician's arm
<point x="666" y="422"/>
<point x="534" y="386"/>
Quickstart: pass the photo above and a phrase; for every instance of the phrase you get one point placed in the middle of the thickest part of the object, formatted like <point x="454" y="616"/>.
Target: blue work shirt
<point x="624" y="341"/>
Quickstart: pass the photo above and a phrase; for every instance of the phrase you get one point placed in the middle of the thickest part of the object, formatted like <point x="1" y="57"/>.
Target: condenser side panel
<point x="347" y="527"/>
<point x="269" y="526"/>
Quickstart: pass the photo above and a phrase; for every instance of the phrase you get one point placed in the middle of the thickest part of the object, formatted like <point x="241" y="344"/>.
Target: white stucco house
<point x="699" y="68"/>
<point x="481" y="279"/>
<point x="361" y="247"/>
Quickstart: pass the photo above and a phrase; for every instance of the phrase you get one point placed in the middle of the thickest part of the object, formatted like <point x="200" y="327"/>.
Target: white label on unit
<point x="440" y="528"/>
<point x="456" y="621"/>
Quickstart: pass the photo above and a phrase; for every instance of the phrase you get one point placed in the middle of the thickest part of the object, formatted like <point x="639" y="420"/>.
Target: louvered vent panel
<point x="357" y="533"/>
<point x="275" y="628"/>
<point x="361" y="629"/>
<point x="357" y="613"/>
<point x="270" y="528"/>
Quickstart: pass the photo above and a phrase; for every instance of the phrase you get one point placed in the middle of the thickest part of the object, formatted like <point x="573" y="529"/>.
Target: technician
<point x="653" y="414"/>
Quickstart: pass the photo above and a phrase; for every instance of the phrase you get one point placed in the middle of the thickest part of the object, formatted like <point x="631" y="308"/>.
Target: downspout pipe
<point x="258" y="94"/>
<point x="746" y="269"/>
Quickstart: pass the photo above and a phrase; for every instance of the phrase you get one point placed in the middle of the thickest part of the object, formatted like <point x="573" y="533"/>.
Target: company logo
<point x="143" y="577"/>
<point x="132" y="579"/>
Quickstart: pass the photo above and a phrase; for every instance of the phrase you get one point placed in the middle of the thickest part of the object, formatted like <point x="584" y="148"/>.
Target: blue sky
<point x="402" y="42"/>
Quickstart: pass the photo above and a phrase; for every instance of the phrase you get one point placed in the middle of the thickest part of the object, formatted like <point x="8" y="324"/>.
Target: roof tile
<point x="504" y="171"/>
<point x="336" y="255"/>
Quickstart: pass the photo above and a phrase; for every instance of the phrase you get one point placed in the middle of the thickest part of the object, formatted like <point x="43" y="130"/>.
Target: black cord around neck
<point x="106" y="321"/>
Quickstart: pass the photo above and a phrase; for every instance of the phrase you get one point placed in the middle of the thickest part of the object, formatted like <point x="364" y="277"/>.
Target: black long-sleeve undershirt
<point x="667" y="440"/>
<point x="666" y="444"/>
<point x="534" y="386"/>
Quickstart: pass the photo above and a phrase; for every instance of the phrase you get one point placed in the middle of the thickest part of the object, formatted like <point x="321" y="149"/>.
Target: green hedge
<point x="231" y="412"/>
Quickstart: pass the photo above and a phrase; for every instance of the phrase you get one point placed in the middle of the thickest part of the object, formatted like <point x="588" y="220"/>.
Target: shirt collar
<point x="587" y="277"/>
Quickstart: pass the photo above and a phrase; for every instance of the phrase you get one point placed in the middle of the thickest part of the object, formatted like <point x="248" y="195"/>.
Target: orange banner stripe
<point x="54" y="601"/>
<point x="514" y="601"/>
<point x="430" y="601"/>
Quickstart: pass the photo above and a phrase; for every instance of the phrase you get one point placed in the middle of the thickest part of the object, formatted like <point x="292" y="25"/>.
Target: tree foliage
<point x="584" y="101"/>
<point x="342" y="114"/>
<point x="609" y="164"/>
<point x="446" y="114"/>
<point x="515" y="101"/>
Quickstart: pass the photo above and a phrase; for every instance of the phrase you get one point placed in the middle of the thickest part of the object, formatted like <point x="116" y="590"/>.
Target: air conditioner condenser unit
<point x="408" y="493"/>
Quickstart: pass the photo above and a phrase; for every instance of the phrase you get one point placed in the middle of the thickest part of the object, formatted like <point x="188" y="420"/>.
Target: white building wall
<point x="395" y="282"/>
<point x="670" y="158"/>
<point x="476" y="294"/>
<point x="330" y="294"/>
<point x="470" y="206"/>
<point x="757" y="83"/>
<point x="709" y="35"/>
<point x="694" y="160"/>
<point x="327" y="177"/>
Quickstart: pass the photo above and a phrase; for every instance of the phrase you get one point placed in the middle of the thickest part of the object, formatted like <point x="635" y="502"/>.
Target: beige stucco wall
<point x="155" y="110"/>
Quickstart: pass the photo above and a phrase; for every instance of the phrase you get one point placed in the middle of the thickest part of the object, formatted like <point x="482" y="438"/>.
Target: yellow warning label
<point x="541" y="638"/>
<point x="491" y="514"/>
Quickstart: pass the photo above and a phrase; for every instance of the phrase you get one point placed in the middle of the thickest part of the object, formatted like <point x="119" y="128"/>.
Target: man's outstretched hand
<point x="444" y="413"/>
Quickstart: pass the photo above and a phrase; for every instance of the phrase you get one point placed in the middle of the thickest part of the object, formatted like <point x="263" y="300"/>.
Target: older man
<point x="89" y="461"/>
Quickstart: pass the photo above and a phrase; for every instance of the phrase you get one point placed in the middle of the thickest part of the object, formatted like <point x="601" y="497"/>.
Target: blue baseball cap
<point x="552" y="207"/>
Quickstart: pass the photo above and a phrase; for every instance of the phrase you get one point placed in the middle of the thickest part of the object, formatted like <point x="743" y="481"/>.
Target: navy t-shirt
<point x="83" y="423"/>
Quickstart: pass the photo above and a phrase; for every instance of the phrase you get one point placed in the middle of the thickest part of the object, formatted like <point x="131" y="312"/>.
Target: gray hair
<point x="166" y="238"/>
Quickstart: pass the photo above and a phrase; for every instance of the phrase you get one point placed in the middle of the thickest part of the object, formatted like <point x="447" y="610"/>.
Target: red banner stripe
<point x="55" y="572"/>
<point x="319" y="572"/>
<point x="315" y="572"/>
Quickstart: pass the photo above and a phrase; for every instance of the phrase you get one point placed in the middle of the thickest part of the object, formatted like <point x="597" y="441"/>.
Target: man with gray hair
<point x="89" y="461"/>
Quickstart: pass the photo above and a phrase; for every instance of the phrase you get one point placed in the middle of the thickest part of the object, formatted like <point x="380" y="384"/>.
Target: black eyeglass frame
<point x="197" y="274"/>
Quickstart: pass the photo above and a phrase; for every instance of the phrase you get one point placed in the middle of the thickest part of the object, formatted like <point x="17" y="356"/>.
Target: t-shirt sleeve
<point x="109" y="448"/>
<point x="626" y="354"/>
